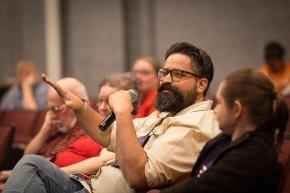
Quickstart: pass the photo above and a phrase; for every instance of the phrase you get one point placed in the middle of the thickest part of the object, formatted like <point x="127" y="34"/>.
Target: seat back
<point x="38" y="123"/>
<point x="6" y="139"/>
<point x="1" y="113"/>
<point x="24" y="122"/>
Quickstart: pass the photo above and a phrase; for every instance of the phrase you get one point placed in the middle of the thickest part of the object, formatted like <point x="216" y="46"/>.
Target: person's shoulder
<point x="198" y="113"/>
<point x="198" y="122"/>
<point x="264" y="69"/>
<point x="259" y="148"/>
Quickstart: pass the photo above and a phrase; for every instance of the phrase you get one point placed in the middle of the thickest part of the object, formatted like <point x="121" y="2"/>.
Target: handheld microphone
<point x="111" y="117"/>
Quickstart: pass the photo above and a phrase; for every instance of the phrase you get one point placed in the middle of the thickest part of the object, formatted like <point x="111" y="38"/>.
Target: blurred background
<point x="89" y="39"/>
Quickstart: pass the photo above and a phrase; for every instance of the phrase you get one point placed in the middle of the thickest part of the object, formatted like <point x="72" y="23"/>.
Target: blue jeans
<point x="34" y="174"/>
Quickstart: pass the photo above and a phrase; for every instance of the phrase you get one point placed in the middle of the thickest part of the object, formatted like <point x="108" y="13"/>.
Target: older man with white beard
<point x="59" y="128"/>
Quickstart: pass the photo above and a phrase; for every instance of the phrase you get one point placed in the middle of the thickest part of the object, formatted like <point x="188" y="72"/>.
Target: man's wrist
<point x="83" y="108"/>
<point x="122" y="113"/>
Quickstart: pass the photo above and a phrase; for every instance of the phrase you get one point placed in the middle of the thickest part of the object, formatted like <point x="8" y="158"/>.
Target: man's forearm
<point x="90" y="120"/>
<point x="36" y="144"/>
<point x="130" y="154"/>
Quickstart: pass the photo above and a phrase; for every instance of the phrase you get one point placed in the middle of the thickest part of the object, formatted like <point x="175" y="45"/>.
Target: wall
<point x="21" y="34"/>
<point x="93" y="40"/>
<point x="105" y="36"/>
<point x="233" y="32"/>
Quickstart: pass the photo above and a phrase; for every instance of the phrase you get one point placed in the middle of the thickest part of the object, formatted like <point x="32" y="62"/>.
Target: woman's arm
<point x="90" y="165"/>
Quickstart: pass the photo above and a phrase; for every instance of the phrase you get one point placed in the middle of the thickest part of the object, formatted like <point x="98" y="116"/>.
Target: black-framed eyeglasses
<point x="175" y="74"/>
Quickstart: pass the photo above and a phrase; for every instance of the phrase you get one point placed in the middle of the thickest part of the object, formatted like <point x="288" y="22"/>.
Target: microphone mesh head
<point x="134" y="95"/>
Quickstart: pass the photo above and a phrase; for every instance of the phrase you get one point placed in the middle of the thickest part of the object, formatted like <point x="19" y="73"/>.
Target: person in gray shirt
<point x="29" y="93"/>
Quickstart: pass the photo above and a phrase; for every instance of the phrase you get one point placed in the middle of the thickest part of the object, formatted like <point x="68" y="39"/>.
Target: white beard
<point x="63" y="129"/>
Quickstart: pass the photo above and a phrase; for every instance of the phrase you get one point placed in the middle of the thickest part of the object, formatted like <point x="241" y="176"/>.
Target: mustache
<point x="166" y="86"/>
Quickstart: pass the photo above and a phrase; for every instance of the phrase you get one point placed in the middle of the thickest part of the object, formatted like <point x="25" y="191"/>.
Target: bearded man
<point x="154" y="151"/>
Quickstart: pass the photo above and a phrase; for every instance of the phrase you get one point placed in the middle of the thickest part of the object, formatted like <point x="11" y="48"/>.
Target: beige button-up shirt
<point x="172" y="149"/>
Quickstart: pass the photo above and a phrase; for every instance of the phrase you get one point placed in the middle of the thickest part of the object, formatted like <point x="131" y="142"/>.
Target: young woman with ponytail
<point x="243" y="158"/>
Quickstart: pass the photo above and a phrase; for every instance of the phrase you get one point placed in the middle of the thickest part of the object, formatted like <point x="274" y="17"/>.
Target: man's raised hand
<point x="69" y="99"/>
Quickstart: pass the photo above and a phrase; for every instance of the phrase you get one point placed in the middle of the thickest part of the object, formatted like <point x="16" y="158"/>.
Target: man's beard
<point x="172" y="99"/>
<point x="65" y="128"/>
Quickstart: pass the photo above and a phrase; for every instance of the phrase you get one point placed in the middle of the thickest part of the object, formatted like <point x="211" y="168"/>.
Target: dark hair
<point x="256" y="92"/>
<point x="274" y="50"/>
<point x="203" y="63"/>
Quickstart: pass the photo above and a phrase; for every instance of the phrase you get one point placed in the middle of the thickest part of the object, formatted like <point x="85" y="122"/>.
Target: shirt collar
<point x="200" y="106"/>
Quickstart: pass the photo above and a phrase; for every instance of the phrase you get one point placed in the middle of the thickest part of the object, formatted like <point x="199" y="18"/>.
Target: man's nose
<point x="166" y="78"/>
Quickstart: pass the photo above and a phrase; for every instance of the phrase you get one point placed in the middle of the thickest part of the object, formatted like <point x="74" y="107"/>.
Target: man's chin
<point x="166" y="91"/>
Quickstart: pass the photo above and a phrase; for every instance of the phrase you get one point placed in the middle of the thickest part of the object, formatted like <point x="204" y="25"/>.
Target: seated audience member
<point x="276" y="68"/>
<point x="83" y="155"/>
<point x="60" y="131"/>
<point x="109" y="85"/>
<point x="154" y="151"/>
<point x="145" y="70"/>
<point x="243" y="158"/>
<point x="29" y="93"/>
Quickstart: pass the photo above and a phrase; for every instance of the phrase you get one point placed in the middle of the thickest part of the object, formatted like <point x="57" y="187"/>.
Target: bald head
<point x="66" y="117"/>
<point x="72" y="85"/>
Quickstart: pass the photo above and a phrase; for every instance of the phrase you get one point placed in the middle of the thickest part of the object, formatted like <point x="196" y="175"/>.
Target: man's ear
<point x="201" y="85"/>
<point x="238" y="109"/>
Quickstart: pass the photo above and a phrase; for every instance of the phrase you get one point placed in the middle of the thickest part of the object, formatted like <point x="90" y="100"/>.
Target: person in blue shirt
<point x="29" y="93"/>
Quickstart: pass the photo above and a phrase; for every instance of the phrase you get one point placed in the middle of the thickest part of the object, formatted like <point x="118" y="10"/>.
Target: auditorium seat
<point x="6" y="139"/>
<point x="24" y="122"/>
<point x="1" y="114"/>
<point x="39" y="122"/>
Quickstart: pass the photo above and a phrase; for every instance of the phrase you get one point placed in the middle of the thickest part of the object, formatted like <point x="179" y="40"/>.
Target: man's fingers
<point x="60" y="91"/>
